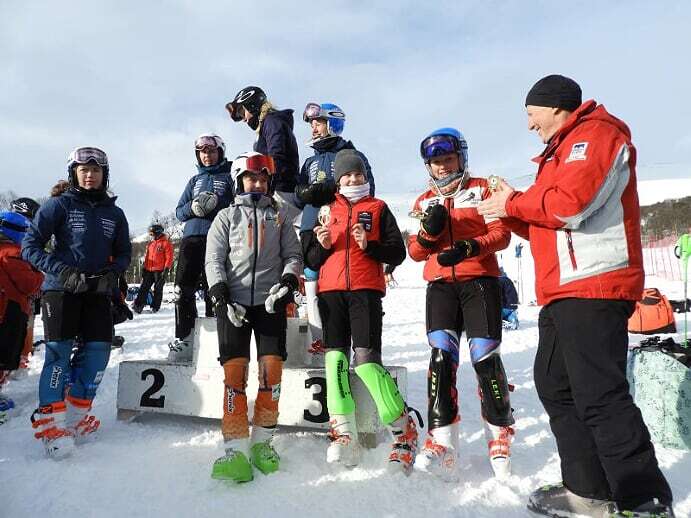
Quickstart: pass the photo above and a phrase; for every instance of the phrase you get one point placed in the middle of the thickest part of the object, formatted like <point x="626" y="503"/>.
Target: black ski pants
<point x="580" y="376"/>
<point x="155" y="279"/>
<point x="188" y="275"/>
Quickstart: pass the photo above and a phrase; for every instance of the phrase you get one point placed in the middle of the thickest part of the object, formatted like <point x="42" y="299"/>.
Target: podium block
<point x="196" y="388"/>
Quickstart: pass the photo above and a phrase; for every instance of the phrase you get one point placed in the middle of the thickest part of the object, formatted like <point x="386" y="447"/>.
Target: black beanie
<point x="555" y="91"/>
<point x="347" y="161"/>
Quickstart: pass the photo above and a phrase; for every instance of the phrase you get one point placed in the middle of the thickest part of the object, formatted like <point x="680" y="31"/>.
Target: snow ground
<point x="161" y="467"/>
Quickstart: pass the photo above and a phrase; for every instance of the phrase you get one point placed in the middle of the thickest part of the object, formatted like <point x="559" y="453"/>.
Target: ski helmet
<point x="13" y="226"/>
<point x="253" y="162"/>
<point x="335" y="117"/>
<point x="250" y="98"/>
<point x="443" y="141"/>
<point x="85" y="155"/>
<point x="210" y="140"/>
<point x="26" y="207"/>
<point x="156" y="229"/>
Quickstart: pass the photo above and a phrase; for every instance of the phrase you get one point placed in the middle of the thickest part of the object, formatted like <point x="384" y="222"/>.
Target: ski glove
<point x="106" y="282"/>
<point x="236" y="314"/>
<point x="458" y="252"/>
<point x="281" y="294"/>
<point x="316" y="194"/>
<point x="204" y="204"/>
<point x="219" y="294"/>
<point x="73" y="280"/>
<point x="434" y="219"/>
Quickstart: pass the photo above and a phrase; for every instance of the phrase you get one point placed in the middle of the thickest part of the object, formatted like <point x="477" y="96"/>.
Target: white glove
<point x="204" y="203"/>
<point x="236" y="314"/>
<point x="277" y="292"/>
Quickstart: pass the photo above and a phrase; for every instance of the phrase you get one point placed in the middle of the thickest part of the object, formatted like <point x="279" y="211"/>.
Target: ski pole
<point x="683" y="251"/>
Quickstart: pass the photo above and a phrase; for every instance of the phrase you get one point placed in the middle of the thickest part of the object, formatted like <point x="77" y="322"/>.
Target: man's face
<point x="319" y="128"/>
<point x="208" y="156"/>
<point x="443" y="165"/>
<point x="545" y="120"/>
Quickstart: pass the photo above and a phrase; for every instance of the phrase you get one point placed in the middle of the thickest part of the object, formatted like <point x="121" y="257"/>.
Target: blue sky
<point x="143" y="79"/>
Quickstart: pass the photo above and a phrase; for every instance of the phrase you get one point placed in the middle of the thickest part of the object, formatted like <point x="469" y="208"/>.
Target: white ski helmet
<point x="253" y="162"/>
<point x="210" y="140"/>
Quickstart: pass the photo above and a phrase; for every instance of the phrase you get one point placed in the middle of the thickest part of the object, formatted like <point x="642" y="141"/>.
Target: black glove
<point x="165" y="272"/>
<point x="316" y="194"/>
<point x="434" y="219"/>
<point x="281" y="294"/>
<point x="106" y="283"/>
<point x="73" y="280"/>
<point x="219" y="294"/>
<point x="458" y="252"/>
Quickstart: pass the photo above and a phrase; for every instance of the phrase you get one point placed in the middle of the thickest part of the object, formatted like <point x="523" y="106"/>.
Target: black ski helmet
<point x="156" y="229"/>
<point x="251" y="98"/>
<point x="26" y="207"/>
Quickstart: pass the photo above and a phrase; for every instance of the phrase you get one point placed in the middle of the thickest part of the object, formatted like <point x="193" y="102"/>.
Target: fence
<point x="659" y="258"/>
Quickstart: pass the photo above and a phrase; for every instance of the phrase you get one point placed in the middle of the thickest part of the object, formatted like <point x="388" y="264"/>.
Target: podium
<point x="195" y="388"/>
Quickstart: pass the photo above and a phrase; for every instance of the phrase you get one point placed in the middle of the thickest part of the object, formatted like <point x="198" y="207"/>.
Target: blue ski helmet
<point x="443" y="141"/>
<point x="335" y="117"/>
<point x="13" y="226"/>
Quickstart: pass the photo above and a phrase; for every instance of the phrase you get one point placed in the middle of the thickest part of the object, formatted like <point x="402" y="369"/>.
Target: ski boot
<point x="233" y="465"/>
<point x="262" y="453"/>
<point x="49" y="423"/>
<point x="344" y="448"/>
<point x="6" y="404"/>
<point x="404" y="446"/>
<point x="439" y="453"/>
<point x="499" y="440"/>
<point x="180" y="350"/>
<point x="558" y="502"/>
<point x="651" y="509"/>
<point x="118" y="342"/>
<point x="78" y="419"/>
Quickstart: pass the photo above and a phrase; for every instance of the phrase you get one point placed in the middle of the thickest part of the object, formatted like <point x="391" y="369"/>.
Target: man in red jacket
<point x="583" y="222"/>
<point x="463" y="294"/>
<point x="157" y="263"/>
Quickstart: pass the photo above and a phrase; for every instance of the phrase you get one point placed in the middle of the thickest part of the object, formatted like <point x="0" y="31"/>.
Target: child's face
<point x="208" y="156"/>
<point x="444" y="165"/>
<point x="255" y="182"/>
<point x="89" y="176"/>
<point x="351" y="179"/>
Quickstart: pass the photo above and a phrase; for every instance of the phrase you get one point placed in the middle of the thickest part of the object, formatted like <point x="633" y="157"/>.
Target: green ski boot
<point x="262" y="453"/>
<point x="233" y="465"/>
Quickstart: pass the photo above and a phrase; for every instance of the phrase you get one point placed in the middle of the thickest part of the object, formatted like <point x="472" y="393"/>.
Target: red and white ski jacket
<point x="18" y="279"/>
<point x="464" y="223"/>
<point x="582" y="216"/>
<point x="159" y="254"/>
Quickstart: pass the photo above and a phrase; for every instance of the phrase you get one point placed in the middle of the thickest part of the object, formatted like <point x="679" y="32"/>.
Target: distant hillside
<point x="669" y="217"/>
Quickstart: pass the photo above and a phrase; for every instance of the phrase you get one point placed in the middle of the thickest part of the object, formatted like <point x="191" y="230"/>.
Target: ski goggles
<point x="313" y="111"/>
<point x="438" y="145"/>
<point x="236" y="111"/>
<point x="260" y="164"/>
<point x="206" y="141"/>
<point x="84" y="155"/>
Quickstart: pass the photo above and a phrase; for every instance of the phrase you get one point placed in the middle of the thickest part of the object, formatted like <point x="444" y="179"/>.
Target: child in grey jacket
<point x="253" y="259"/>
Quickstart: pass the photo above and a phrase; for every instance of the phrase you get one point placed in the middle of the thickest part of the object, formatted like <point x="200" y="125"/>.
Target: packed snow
<point x="161" y="466"/>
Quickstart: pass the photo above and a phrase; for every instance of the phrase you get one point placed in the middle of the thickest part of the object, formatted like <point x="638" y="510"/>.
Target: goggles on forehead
<point x="84" y="155"/>
<point x="260" y="164"/>
<point x="205" y="141"/>
<point x="312" y="111"/>
<point x="438" y="145"/>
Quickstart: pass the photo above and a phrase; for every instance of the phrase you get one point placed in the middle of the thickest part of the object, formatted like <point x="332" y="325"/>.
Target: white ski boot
<point x="49" y="423"/>
<point x="181" y="350"/>
<point x="78" y="420"/>
<point x="499" y="440"/>
<point x="344" y="448"/>
<point x="404" y="446"/>
<point x="439" y="455"/>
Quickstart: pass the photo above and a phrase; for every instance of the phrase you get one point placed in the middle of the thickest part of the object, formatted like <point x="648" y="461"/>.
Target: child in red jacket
<point x="355" y="236"/>
<point x="18" y="281"/>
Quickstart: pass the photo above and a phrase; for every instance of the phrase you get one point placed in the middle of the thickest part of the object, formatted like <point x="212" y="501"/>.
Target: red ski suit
<point x="159" y="254"/>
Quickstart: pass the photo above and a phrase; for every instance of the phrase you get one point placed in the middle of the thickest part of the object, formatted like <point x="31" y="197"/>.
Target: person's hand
<point x="281" y="294"/>
<point x="458" y="252"/>
<point x="316" y="194"/>
<point x="495" y="205"/>
<point x="236" y="314"/>
<point x="204" y="203"/>
<point x="219" y="294"/>
<point x="323" y="236"/>
<point x="434" y="219"/>
<point x="360" y="235"/>
<point x="73" y="281"/>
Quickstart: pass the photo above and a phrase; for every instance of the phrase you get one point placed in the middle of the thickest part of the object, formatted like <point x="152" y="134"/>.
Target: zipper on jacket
<point x="572" y="254"/>
<point x="449" y="224"/>
<point x="256" y="251"/>
<point x="350" y="212"/>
